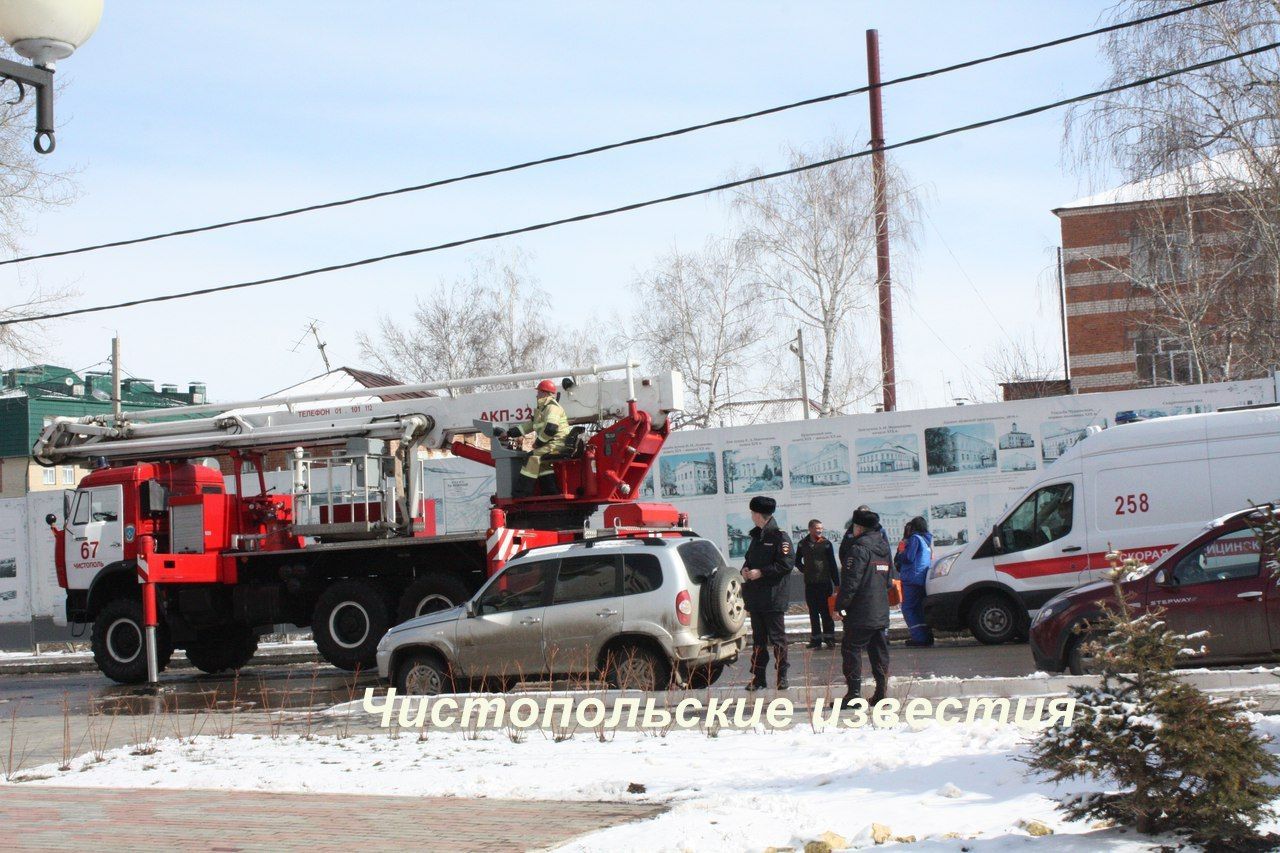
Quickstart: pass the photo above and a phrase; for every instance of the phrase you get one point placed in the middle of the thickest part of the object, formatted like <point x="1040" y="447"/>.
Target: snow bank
<point x="736" y="791"/>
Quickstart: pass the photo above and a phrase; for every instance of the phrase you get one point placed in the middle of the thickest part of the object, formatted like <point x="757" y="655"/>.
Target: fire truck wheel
<point x="722" y="604"/>
<point x="428" y="594"/>
<point x="228" y="648"/>
<point x="350" y="619"/>
<point x="118" y="642"/>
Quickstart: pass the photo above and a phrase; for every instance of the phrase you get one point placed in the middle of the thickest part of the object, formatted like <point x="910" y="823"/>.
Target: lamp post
<point x="43" y="31"/>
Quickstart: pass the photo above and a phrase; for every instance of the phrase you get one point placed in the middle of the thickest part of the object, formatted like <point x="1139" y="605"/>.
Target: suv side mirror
<point x="1164" y="578"/>
<point x="471" y="609"/>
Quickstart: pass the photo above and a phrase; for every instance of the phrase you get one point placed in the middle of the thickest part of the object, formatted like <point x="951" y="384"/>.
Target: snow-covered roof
<point x="1223" y="172"/>
<point x="339" y="379"/>
<point x="748" y="412"/>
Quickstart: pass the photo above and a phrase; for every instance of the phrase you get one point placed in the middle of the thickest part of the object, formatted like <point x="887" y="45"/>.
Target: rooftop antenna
<point x="313" y="329"/>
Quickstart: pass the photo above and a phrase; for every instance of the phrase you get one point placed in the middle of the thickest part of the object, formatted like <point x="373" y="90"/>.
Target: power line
<point x="965" y="275"/>
<point x="557" y="158"/>
<point x="626" y="208"/>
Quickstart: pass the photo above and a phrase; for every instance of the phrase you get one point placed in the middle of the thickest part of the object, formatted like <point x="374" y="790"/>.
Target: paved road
<point x="298" y="686"/>
<point x="66" y="818"/>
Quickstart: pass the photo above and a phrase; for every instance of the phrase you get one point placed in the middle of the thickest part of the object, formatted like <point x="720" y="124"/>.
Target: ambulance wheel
<point x="119" y="644"/>
<point x="429" y="594"/>
<point x="350" y="620"/>
<point x="227" y="648"/>
<point x="994" y="619"/>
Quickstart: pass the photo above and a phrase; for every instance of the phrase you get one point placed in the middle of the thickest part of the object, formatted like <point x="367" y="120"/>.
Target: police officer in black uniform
<point x="863" y="603"/>
<point x="816" y="560"/>
<point x="765" y="571"/>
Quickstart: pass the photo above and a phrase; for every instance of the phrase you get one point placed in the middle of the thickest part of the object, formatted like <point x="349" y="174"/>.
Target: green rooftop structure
<point x="32" y="396"/>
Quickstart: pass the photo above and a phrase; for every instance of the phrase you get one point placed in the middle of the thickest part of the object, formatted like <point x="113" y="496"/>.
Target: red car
<point x="1216" y="582"/>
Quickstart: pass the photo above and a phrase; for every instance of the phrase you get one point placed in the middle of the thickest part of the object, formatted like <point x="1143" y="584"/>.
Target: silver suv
<point x="639" y="613"/>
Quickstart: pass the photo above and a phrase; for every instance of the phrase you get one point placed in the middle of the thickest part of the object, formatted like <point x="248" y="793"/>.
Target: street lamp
<point x="43" y="31"/>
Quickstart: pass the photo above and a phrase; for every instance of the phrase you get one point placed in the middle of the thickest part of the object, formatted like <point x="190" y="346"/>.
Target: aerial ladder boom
<point x="317" y="419"/>
<point x="638" y="411"/>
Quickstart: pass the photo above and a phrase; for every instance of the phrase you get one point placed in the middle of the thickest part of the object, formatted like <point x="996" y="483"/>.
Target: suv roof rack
<point x="654" y="537"/>
<point x="1248" y="407"/>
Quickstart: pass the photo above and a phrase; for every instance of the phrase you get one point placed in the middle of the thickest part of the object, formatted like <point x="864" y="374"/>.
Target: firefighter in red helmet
<point x="550" y="428"/>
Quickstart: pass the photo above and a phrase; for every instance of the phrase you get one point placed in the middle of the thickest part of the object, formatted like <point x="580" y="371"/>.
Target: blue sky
<point x="176" y="114"/>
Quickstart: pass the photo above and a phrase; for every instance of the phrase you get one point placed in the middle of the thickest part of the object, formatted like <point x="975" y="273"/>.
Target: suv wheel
<point x="994" y="619"/>
<point x="722" y="603"/>
<point x="634" y="667"/>
<point x="350" y="618"/>
<point x="702" y="677"/>
<point x="423" y="674"/>
<point x="1079" y="660"/>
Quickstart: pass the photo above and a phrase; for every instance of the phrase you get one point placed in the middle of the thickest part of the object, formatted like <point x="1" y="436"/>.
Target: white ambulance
<point x="1141" y="488"/>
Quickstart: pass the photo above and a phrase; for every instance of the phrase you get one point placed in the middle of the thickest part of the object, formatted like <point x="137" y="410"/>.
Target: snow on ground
<point x="70" y="654"/>
<point x="739" y="790"/>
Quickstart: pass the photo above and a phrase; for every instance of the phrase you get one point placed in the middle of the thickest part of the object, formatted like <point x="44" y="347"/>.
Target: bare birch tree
<point x="1023" y="359"/>
<point x="490" y="321"/>
<point x="699" y="313"/>
<point x="29" y="182"/>
<point x="1204" y="268"/>
<point x="811" y="236"/>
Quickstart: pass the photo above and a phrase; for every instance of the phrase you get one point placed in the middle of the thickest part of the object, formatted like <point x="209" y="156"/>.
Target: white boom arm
<point x="314" y="420"/>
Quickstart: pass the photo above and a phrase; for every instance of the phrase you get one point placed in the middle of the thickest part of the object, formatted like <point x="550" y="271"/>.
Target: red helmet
<point x="547" y="385"/>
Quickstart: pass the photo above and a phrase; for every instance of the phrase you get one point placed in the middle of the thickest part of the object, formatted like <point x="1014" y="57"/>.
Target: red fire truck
<point x="158" y="551"/>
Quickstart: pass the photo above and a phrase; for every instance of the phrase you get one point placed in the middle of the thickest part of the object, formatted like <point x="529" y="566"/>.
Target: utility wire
<point x="527" y="164"/>
<point x="965" y="275"/>
<point x="583" y="217"/>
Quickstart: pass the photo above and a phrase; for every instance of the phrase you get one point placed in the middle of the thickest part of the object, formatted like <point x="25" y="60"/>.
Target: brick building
<point x="1111" y="249"/>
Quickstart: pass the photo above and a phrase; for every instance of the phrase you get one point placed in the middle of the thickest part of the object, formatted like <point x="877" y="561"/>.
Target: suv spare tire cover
<point x="722" y="603"/>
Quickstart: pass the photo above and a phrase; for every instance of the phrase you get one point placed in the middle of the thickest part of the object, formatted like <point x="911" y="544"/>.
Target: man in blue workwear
<point x="913" y="570"/>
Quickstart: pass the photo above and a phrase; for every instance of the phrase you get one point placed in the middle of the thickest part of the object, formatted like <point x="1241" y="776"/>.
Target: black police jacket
<point x="770" y="552"/>
<point x="847" y="540"/>
<point x="864" y="581"/>
<point x="810" y="562"/>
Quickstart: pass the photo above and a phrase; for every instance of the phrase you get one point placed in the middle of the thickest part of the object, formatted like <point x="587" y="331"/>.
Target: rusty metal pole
<point x="883" y="282"/>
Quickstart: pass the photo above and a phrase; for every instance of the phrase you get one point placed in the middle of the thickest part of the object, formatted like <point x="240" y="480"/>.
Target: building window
<point x="49" y="477"/>
<point x="1160" y="258"/>
<point x="1164" y="361"/>
<point x="68" y="475"/>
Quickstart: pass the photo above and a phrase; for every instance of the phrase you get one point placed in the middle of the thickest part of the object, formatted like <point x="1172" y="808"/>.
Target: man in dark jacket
<point x="863" y="603"/>
<point x="816" y="560"/>
<point x="847" y="540"/>
<point x="764" y="591"/>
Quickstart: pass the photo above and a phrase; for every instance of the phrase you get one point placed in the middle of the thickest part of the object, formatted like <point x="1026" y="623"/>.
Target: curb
<point x="77" y="663"/>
